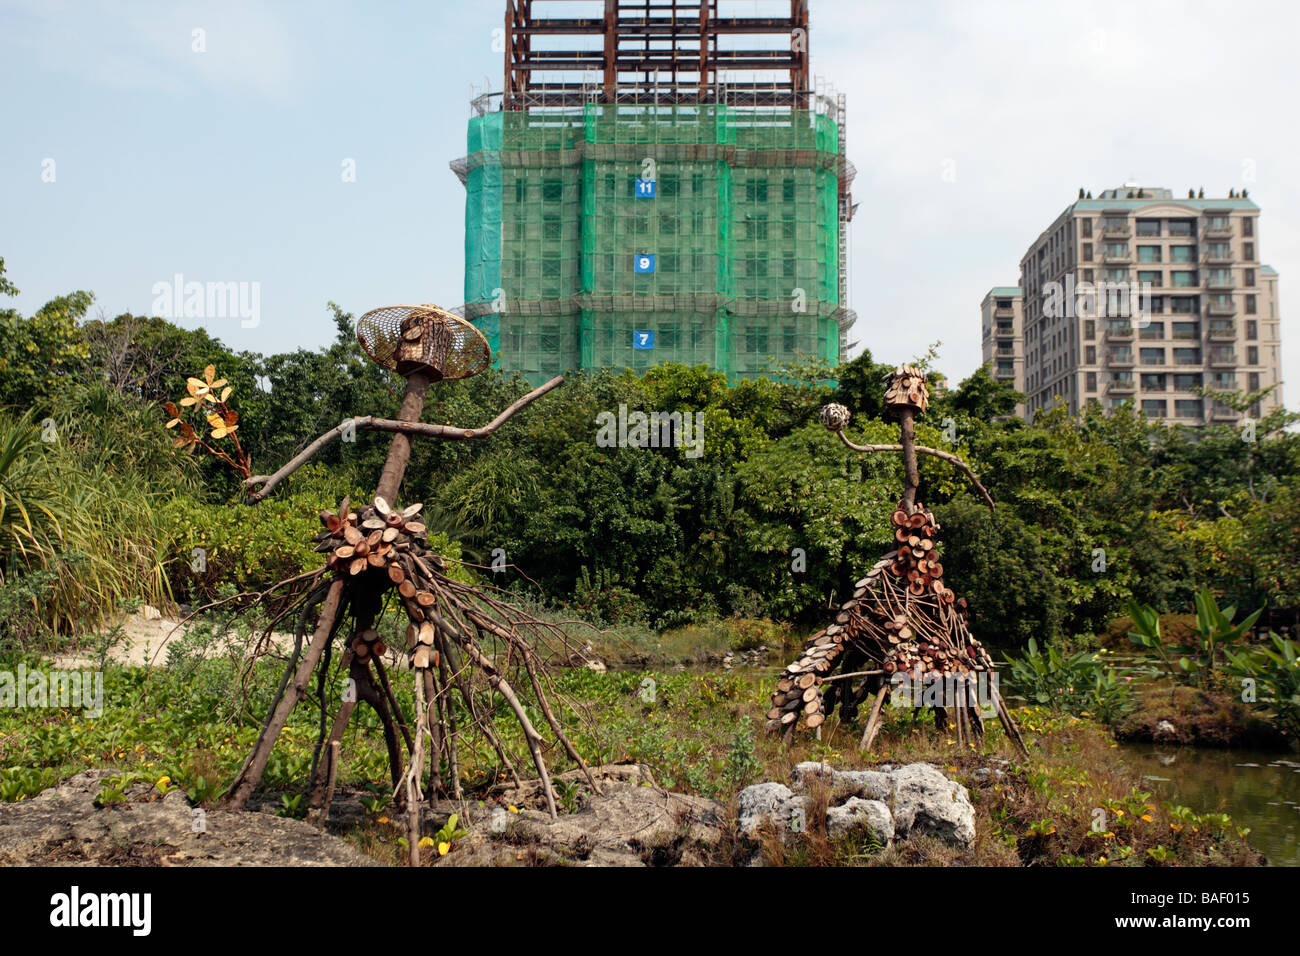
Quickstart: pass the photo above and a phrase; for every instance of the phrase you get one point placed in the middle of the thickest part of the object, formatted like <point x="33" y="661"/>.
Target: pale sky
<point x="972" y="124"/>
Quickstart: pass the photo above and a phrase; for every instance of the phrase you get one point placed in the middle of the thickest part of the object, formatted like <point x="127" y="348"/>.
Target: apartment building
<point x="1140" y="296"/>
<point x="1003" y="336"/>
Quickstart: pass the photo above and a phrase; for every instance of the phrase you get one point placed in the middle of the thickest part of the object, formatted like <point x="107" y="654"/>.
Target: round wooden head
<point x="423" y="338"/>
<point x="906" y="388"/>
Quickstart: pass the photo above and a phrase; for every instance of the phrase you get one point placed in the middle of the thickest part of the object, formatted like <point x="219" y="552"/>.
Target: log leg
<point x="322" y="782"/>
<point x="392" y="702"/>
<point x="367" y="691"/>
<point x="941" y="720"/>
<point x="1008" y="724"/>
<point x="251" y="775"/>
<point x="876" y="720"/>
<point x="433" y="720"/>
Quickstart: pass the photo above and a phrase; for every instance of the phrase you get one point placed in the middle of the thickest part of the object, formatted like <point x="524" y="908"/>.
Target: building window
<point x="1248" y="251"/>
<point x="1187" y="408"/>
<point x="1187" y="330"/>
<point x="1090" y="381"/>
<point x="1090" y="329"/>
<point x="1187" y="356"/>
<point x="1148" y="253"/>
<point x="1248" y="226"/>
<point x="1090" y="355"/>
<point x="1181" y="227"/>
<point x="1154" y="407"/>
<point x="1087" y="275"/>
<point x="1182" y="304"/>
<point x="1183" y="279"/>
<point x="1086" y="224"/>
<point x="1151" y="277"/>
<point x="1153" y="356"/>
<point x="1250" y="305"/>
<point x="1087" y="252"/>
<point x="1252" y="354"/>
<point x="1250" y="277"/>
<point x="1252" y="329"/>
<point x="1148" y="227"/>
<point x="1153" y="383"/>
<point x="1154" y="330"/>
<point x="1183" y="253"/>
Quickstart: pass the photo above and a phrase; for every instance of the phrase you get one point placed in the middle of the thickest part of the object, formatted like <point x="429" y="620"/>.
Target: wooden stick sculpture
<point x="380" y="549"/>
<point x="902" y="622"/>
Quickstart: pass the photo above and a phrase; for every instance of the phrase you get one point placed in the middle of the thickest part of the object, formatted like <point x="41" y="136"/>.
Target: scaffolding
<point x="631" y="225"/>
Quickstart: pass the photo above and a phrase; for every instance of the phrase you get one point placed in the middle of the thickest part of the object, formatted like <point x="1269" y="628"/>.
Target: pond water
<point x="1258" y="789"/>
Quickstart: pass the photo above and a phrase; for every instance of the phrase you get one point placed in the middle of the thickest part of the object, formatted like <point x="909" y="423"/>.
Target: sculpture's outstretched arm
<point x="933" y="452"/>
<point x="369" y="423"/>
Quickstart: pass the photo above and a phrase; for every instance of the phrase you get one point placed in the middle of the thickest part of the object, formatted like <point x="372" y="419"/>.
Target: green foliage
<point x="1079" y="682"/>
<point x="1194" y="662"/>
<point x="1276" y="671"/>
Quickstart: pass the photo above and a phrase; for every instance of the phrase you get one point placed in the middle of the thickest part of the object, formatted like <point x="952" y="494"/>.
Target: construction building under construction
<point x="657" y="182"/>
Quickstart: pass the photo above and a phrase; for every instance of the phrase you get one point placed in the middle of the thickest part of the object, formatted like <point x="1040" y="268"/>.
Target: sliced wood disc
<point x="815" y="721"/>
<point x="425" y="599"/>
<point x="405" y="588"/>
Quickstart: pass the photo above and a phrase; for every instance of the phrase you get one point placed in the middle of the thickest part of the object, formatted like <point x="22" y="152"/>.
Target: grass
<point x="694" y="730"/>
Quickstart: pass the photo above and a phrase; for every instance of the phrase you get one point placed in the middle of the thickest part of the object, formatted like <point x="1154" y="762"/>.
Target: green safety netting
<point x="743" y="229"/>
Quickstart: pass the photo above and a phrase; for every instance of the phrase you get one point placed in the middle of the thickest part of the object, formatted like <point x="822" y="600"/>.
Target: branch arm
<point x="934" y="453"/>
<point x="267" y="483"/>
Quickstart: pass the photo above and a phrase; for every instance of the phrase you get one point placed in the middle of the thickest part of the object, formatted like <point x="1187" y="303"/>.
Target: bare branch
<point x="933" y="452"/>
<point x="370" y="423"/>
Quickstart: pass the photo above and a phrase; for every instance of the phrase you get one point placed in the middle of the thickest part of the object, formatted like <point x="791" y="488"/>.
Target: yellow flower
<point x="513" y="808"/>
<point x="425" y="841"/>
<point x="443" y="848"/>
<point x="1146" y="817"/>
<point x="163" y="781"/>
<point x="383" y="819"/>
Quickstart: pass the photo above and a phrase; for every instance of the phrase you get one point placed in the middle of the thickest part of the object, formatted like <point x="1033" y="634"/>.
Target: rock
<point x="632" y="823"/>
<point x="804" y="772"/>
<point x="764" y="801"/>
<point x="870" y="784"/>
<point x="63" y="826"/>
<point x="925" y="801"/>
<point x="986" y="775"/>
<point x="872" y="815"/>
<point x="150" y="613"/>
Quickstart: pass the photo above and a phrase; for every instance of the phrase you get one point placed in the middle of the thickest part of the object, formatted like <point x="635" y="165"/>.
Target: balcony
<point x="1005" y="352"/>
<point x="1004" y="312"/>
<point x="1220" y="281"/>
<point x="1216" y="257"/>
<point x="1223" y="357"/>
<point x="1119" y="330"/>
<point x="1116" y="257"/>
<point x="1120" y="357"/>
<point x="1222" y="330"/>
<point x="1221" y="308"/>
<point x="1115" y="229"/>
<point x="1217" y="229"/>
<point x="1222" y="413"/>
<point x="1120" y="384"/>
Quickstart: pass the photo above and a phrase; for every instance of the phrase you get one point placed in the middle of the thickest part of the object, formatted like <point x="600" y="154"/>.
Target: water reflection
<point x="1257" y="789"/>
